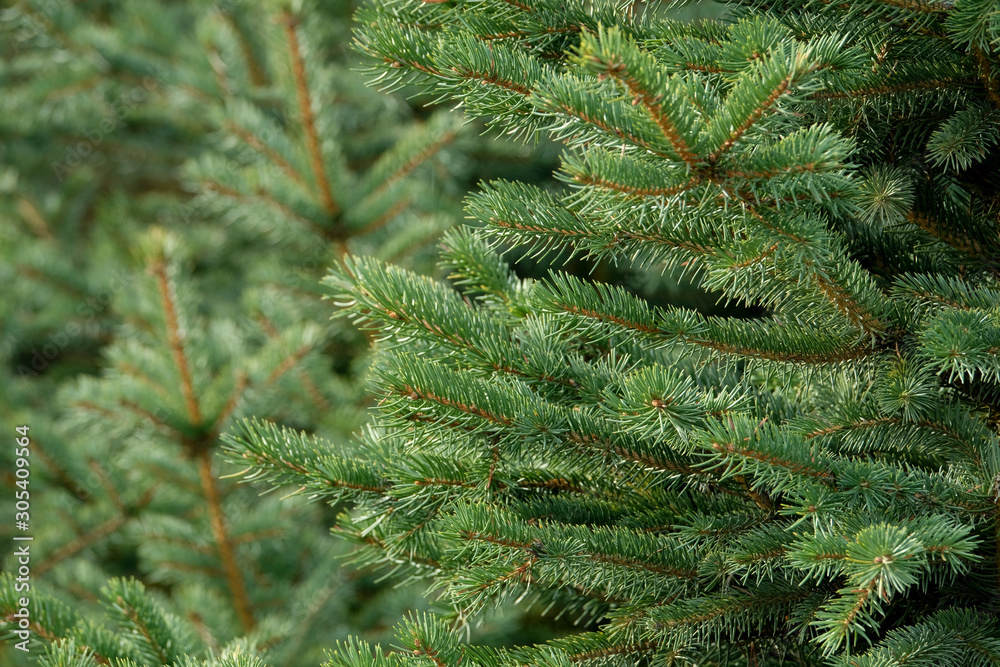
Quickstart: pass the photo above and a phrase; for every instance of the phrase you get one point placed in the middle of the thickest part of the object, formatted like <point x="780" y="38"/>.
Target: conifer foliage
<point x="816" y="485"/>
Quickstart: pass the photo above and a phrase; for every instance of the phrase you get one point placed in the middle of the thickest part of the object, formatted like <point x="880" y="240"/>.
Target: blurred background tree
<point x="174" y="180"/>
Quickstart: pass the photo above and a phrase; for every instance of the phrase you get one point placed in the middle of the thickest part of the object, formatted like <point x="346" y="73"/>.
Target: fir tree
<point x="814" y="485"/>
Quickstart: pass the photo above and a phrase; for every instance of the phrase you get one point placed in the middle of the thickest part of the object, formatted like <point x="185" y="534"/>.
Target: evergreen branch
<point x="528" y="227"/>
<point x="619" y="60"/>
<point x="412" y="150"/>
<point x="938" y="299"/>
<point x="174" y="340"/>
<point x="630" y="175"/>
<point x="284" y="456"/>
<point x="762" y="500"/>
<point x="94" y="536"/>
<point x="258" y="76"/>
<point x="474" y="267"/>
<point x="427" y="651"/>
<point x="921" y="6"/>
<point x="84" y="652"/>
<point x="829" y="286"/>
<point x="234" y="574"/>
<point x="140" y="620"/>
<point x="510" y="34"/>
<point x="49" y="618"/>
<point x="626" y="188"/>
<point x="413" y="393"/>
<point x="926" y="293"/>
<point x="635" y="563"/>
<point x="617" y="547"/>
<point x="615" y="650"/>
<point x="817" y="149"/>
<point x="646" y="460"/>
<point x="308" y="121"/>
<point x="493" y="539"/>
<point x="758" y="111"/>
<point x="314" y="393"/>
<point x="663" y="240"/>
<point x="622" y="134"/>
<point x="757" y="258"/>
<point x="287" y="364"/>
<point x="35" y="219"/>
<point x="705" y="610"/>
<point x="600" y="122"/>
<point x="603" y="304"/>
<point x="949" y="235"/>
<point x="366" y="279"/>
<point x="773" y="460"/>
<point x="842" y="627"/>
<point x="492" y="79"/>
<point x="953" y="637"/>
<point x="398" y="309"/>
<point x="61" y="474"/>
<point x="521" y="573"/>
<point x="269" y="199"/>
<point x="381" y="545"/>
<point x="446" y="422"/>
<point x="623" y="322"/>
<point x="987" y="76"/>
<point x="556" y="484"/>
<point x="943" y="429"/>
<point x="43" y="277"/>
<point x="426" y="69"/>
<point x="935" y="84"/>
<point x="112" y="491"/>
<point x="387" y="217"/>
<point x="219" y="69"/>
<point x="274" y="156"/>
<point x="437" y="481"/>
<point x="962" y="344"/>
<point x="131" y="370"/>
<point x="518" y="34"/>
<point x="771" y="173"/>
<point x="520" y="5"/>
<point x="241" y="384"/>
<point x="139" y="410"/>
<point x="848" y="306"/>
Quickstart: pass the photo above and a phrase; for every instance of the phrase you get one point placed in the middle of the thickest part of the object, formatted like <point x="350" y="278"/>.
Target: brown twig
<point x="167" y="300"/>
<point x="308" y="121"/>
<point x="234" y="576"/>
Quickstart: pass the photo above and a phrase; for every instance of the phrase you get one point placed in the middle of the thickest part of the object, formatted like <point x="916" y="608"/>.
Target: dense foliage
<point x="815" y="485"/>
<point x="811" y="482"/>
